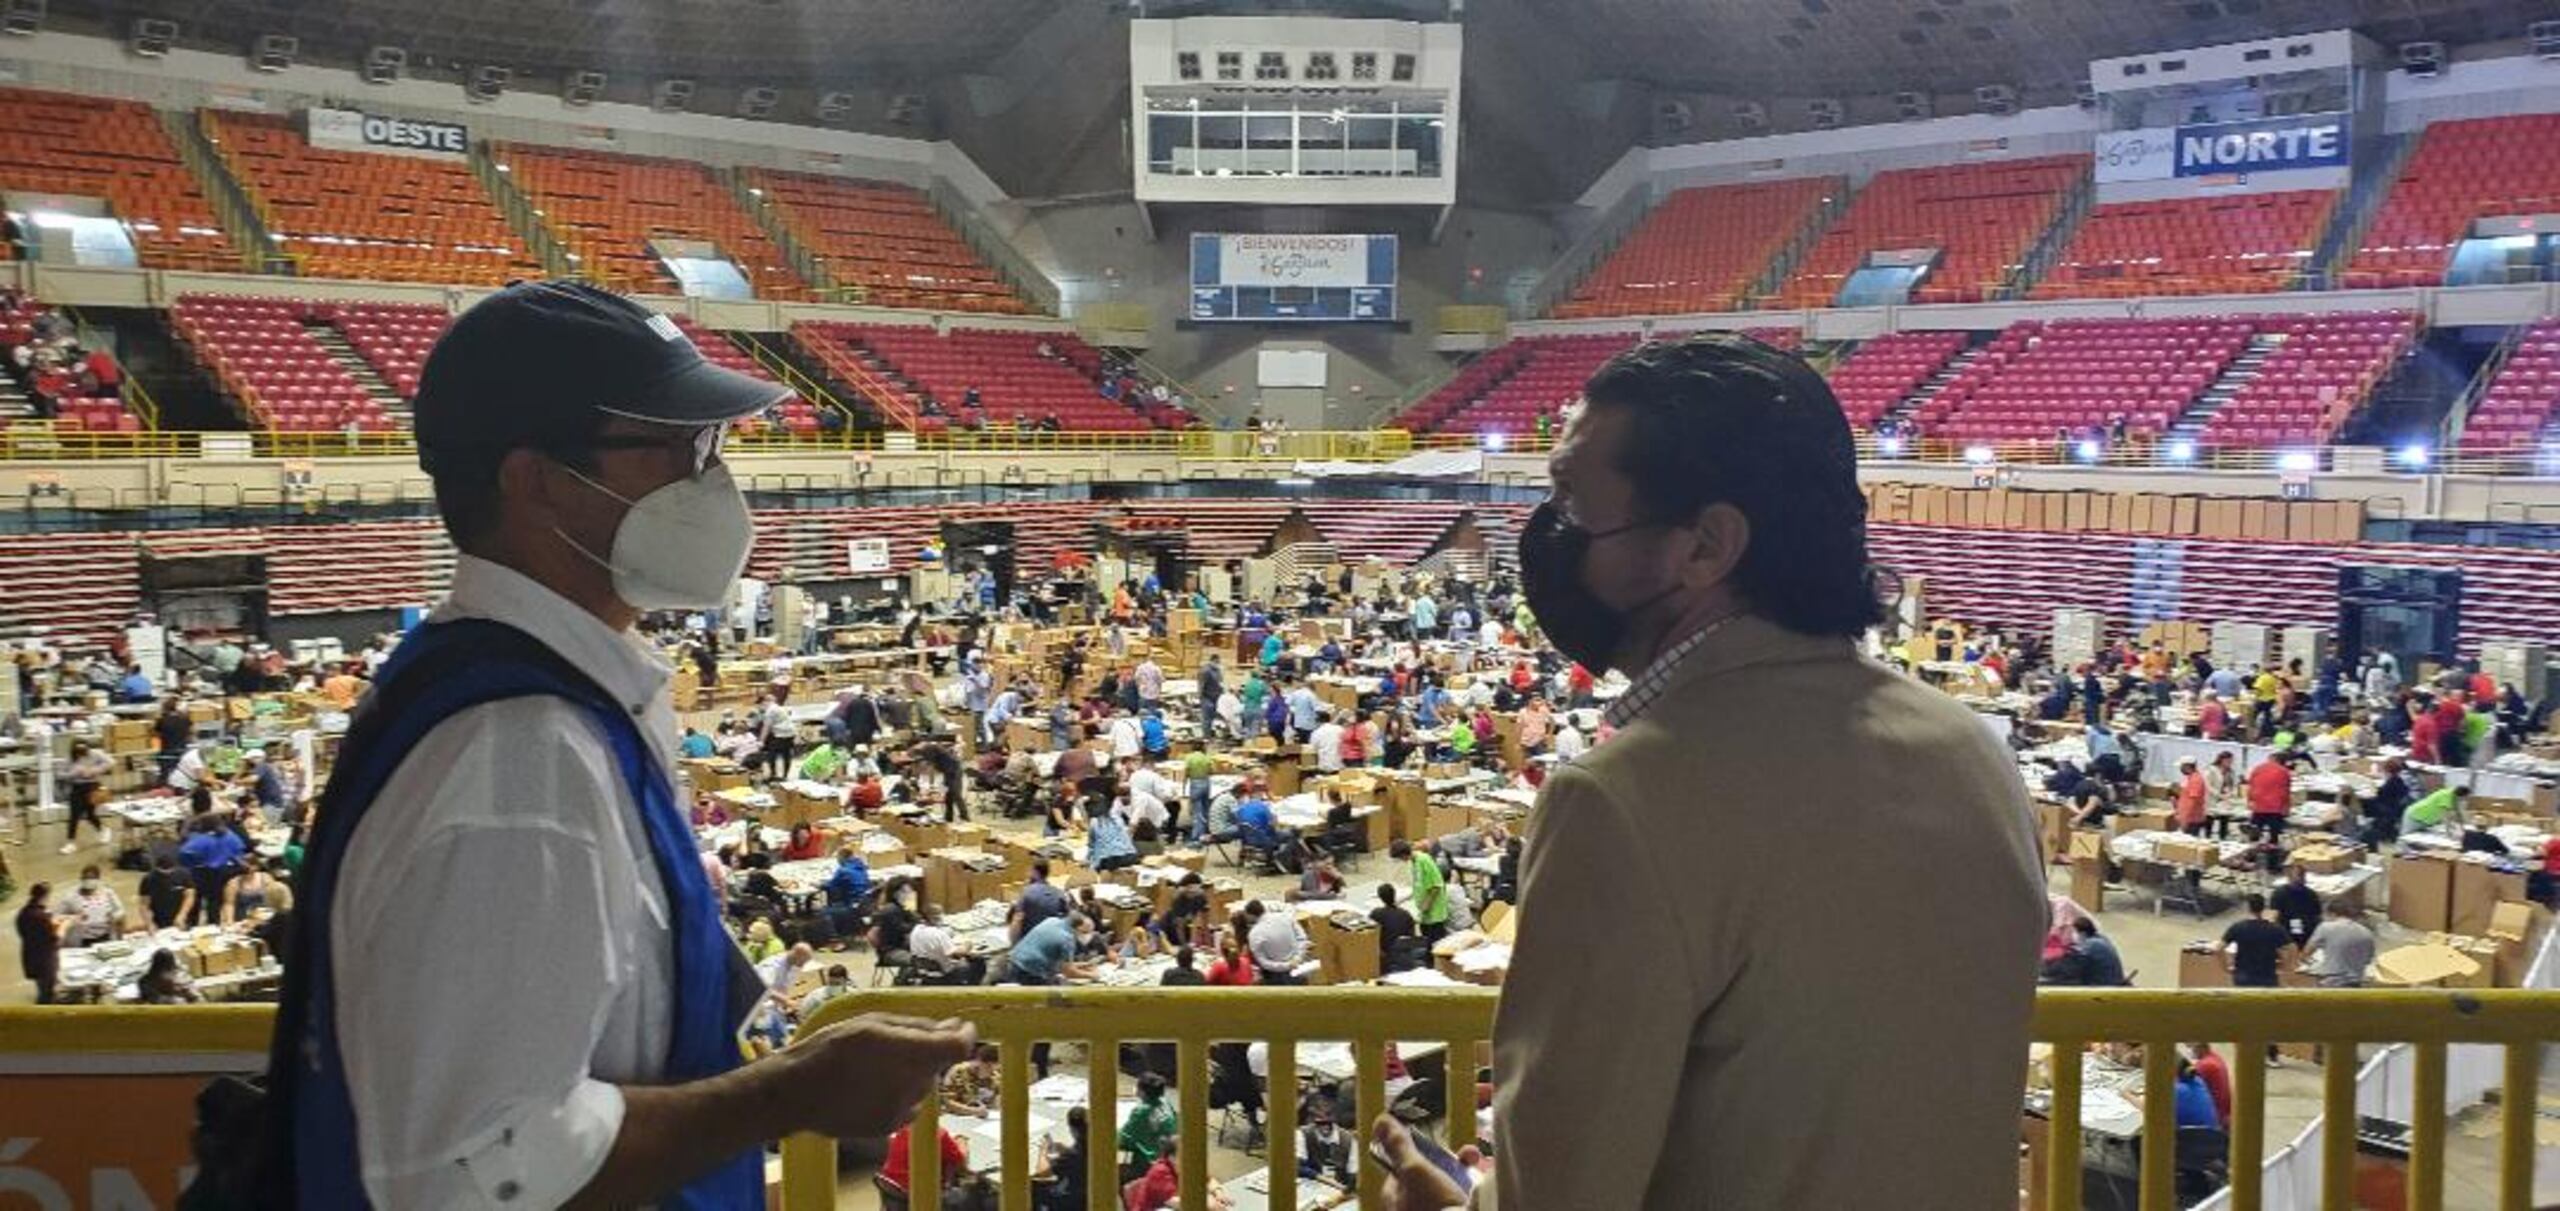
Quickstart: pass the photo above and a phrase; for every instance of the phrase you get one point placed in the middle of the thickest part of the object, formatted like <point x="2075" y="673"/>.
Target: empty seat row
<point x="1701" y="248"/>
<point x="347" y="214"/>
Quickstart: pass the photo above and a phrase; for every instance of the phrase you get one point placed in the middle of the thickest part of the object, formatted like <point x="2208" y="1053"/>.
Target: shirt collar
<point x="621" y="662"/>
<point x="1729" y="643"/>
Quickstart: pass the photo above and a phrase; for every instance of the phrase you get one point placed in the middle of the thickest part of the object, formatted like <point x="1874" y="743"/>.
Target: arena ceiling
<point x="786" y="43"/>
<point x="1850" y="48"/>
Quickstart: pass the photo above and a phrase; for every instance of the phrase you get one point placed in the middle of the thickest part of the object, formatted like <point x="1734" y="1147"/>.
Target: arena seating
<point x="118" y="151"/>
<point x="2036" y="378"/>
<point x="606" y="208"/>
<point x="1883" y="372"/>
<point x="1508" y="387"/>
<point x="2462" y="170"/>
<point x="2254" y="243"/>
<point x="1399" y="532"/>
<point x="886" y="239"/>
<point x="2316" y="378"/>
<point x="262" y="354"/>
<point x="2516" y="409"/>
<point x="342" y="214"/>
<point x="1700" y="248"/>
<point x="795" y="415"/>
<point x="393" y="338"/>
<point x="1983" y="217"/>
<point x="1013" y="381"/>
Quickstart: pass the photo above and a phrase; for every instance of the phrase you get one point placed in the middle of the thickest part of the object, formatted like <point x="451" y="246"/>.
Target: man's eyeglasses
<point x="702" y="444"/>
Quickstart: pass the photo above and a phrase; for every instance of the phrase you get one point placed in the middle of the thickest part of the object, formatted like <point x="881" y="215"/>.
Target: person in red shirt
<point x="2213" y="720"/>
<point x="955" y="1160"/>
<point x="2191" y="798"/>
<point x="1522" y="677"/>
<point x="1232" y="970"/>
<point x="2483" y="687"/>
<point x="2271" y="797"/>
<point x="865" y="796"/>
<point x="2216" y="1076"/>
<point x="1160" y="1188"/>
<point x="2426" y="737"/>
<point x="805" y="844"/>
<point x="2450" y="714"/>
<point x="1579" y="682"/>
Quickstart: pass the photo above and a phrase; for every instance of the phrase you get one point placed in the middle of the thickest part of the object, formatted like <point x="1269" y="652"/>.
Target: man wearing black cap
<point x="513" y="987"/>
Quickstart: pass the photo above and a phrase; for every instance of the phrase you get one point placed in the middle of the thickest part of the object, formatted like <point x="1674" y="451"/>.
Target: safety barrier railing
<point x="144" y="1047"/>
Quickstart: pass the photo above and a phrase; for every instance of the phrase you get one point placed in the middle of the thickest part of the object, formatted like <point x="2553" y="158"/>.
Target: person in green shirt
<point x="1430" y="890"/>
<point x="1152" y="1127"/>
<point x="1255" y="690"/>
<point x="1196" y="769"/>
<point x="1462" y="739"/>
<point x="2479" y="731"/>
<point x="2441" y="805"/>
<point x="822" y="763"/>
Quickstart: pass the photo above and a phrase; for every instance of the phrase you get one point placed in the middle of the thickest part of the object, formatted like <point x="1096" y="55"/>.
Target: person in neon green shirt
<point x="2441" y="805"/>
<point x="1430" y="890"/>
<point x="1462" y="739"/>
<point x="822" y="763"/>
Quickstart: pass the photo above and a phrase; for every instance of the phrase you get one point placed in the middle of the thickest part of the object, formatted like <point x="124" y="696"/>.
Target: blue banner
<point x="2265" y="145"/>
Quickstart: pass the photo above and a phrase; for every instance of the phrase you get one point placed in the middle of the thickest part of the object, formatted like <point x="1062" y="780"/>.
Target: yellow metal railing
<point x="37" y="1039"/>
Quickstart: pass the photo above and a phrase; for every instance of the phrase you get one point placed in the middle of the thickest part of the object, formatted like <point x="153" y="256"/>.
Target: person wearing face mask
<point x="518" y="747"/>
<point x="1706" y="537"/>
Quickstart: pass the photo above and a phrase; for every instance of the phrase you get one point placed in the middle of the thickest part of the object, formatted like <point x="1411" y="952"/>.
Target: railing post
<point x="2159" y="1105"/>
<point x="2426" y="1130"/>
<point x="1191" y="1079"/>
<point x="2062" y="1145"/>
<point x="1014" y="1066"/>
<point x="2519" y="1106"/>
<point x="1280" y="1121"/>
<point x="1102" y="1117"/>
<point x="2338" y="1125"/>
<point x="2248" y="1122"/>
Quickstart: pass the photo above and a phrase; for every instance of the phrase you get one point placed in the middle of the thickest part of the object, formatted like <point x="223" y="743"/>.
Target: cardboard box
<point x="2086" y="843"/>
<point x="2325" y="857"/>
<point x="2088" y="883"/>
<point x="1442" y="819"/>
<point x="2185" y="852"/>
<point x="2202" y="969"/>
<point x="1408" y="806"/>
<point x="2477" y="891"/>
<point x="2183" y="512"/>
<point x="2148" y="819"/>
<point x="2427" y="965"/>
<point x="2075" y="511"/>
<point x="2421" y="892"/>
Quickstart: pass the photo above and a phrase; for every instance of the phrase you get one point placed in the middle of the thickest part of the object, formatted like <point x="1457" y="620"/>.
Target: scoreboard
<point x="1293" y="277"/>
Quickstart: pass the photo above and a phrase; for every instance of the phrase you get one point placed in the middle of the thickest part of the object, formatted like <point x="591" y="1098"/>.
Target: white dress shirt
<point x="1124" y="737"/>
<point x="1327" y="741"/>
<point x="928" y="943"/>
<point x="501" y="939"/>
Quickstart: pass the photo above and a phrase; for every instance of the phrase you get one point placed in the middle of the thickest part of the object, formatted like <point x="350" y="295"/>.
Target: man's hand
<point x="1413" y="1182"/>
<point x="862" y="1077"/>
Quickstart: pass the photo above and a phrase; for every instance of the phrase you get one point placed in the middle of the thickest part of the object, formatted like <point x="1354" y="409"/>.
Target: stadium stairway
<point x="2235" y="374"/>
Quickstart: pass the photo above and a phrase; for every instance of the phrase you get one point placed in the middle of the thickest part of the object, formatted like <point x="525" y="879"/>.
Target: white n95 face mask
<point x="679" y="547"/>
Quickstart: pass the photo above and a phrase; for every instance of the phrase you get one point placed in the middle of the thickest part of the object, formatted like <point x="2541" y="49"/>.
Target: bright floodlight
<point x="2182" y="451"/>
<point x="2087" y="451"/>
<point x="2298" y="460"/>
<point x="1890" y="446"/>
<point x="1493" y="442"/>
<point x="2415" y="455"/>
<point x="1978" y="455"/>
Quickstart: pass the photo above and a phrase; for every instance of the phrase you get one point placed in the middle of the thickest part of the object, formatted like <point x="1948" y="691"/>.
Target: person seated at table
<point x="165" y="983"/>
<point x="1322" y="880"/>
<point x="895" y="1167"/>
<point x="1059" y="1171"/>
<point x="1160" y="1189"/>
<point x="2389" y="803"/>
<point x="1233" y="969"/>
<point x="848" y="891"/>
<point x="2091" y="803"/>
<point x="1324" y="1150"/>
<point x="972" y="1088"/>
<point x="1142" y="940"/>
<point x="1151" y="1130"/>
<point x="1108" y="845"/>
<point x="2092" y="961"/>
<point x="1185" y="972"/>
<point x="695" y="746"/>
<point x="805" y="844"/>
<point x="1046" y="954"/>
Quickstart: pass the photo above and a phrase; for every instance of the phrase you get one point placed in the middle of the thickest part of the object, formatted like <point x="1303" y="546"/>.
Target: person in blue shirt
<point x="1271" y="648"/>
<point x="1062" y="725"/>
<point x="1007" y="705"/>
<point x="1151" y="735"/>
<point x="848" y="892"/>
<point x="268" y="785"/>
<point x="135" y="687"/>
<point x="1426" y="713"/>
<point x="1329" y="657"/>
<point x="695" y="745"/>
<point x="1046" y="954"/>
<point x="1256" y="825"/>
<point x="2195" y="1100"/>
<point x="1462" y="624"/>
<point x="1303" y="709"/>
<point x="1275" y="716"/>
<point x="1040" y="900"/>
<point x="1107" y="845"/>
<point x="211" y="853"/>
<point x="2100" y="965"/>
<point x="978" y="685"/>
<point x="1254" y="620"/>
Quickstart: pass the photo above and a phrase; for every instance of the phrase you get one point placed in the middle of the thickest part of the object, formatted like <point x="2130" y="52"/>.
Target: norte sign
<point x="355" y="130"/>
<point x="2223" y="148"/>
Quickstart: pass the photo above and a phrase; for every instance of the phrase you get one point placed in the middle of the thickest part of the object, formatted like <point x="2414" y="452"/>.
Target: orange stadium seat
<point x="1983" y="217"/>
<point x="2242" y="244"/>
<point x="116" y="150"/>
<point x="605" y="208"/>
<point x="886" y="239"/>
<point x="1700" y="249"/>
<point x="2462" y="170"/>
<point x="341" y="214"/>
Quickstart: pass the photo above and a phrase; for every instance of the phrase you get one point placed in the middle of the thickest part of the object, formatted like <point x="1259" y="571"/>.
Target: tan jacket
<point x="1777" y="950"/>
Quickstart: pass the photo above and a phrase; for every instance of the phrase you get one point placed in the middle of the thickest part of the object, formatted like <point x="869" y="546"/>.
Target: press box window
<point x="1320" y="66"/>
<point x="1230" y="65"/>
<point x="1271" y="66"/>
<point x="1404" y="69"/>
<point x="1364" y="65"/>
<point x="1187" y="65"/>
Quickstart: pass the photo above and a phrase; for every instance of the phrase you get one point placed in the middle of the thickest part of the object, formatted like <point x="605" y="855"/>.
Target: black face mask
<point x="1580" y="625"/>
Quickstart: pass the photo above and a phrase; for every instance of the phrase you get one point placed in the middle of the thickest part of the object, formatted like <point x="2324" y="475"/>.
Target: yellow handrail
<point x="1370" y="1018"/>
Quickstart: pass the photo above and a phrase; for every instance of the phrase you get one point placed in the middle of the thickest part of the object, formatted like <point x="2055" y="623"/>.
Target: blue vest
<point x="438" y="671"/>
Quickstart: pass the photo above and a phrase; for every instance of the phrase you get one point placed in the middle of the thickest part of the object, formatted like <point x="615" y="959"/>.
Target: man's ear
<point x="1722" y="535"/>
<point x="524" y="486"/>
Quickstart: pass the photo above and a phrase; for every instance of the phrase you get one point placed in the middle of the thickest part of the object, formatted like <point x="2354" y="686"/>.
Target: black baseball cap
<point x="535" y="358"/>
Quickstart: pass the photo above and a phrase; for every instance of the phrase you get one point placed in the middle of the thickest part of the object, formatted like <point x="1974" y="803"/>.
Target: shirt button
<point x="507" y="1191"/>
